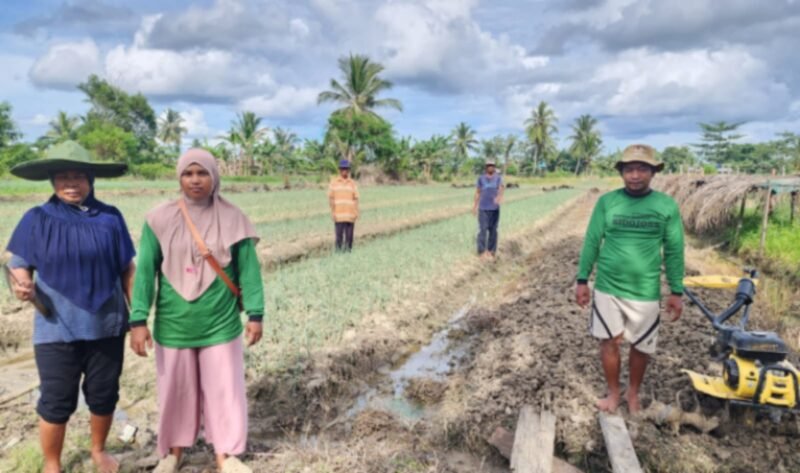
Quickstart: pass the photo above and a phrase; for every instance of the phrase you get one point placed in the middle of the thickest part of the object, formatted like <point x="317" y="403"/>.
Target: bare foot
<point x="220" y="457"/>
<point x="104" y="462"/>
<point x="609" y="403"/>
<point x="51" y="468"/>
<point x="633" y="402"/>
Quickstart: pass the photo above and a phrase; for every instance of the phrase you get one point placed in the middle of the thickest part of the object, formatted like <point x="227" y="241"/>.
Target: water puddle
<point x="433" y="361"/>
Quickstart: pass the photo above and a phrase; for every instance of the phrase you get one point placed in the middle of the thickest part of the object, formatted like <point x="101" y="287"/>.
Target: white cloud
<point x="253" y="25"/>
<point x="39" y="119"/>
<point x="286" y="101"/>
<point x="299" y="28"/>
<point x="195" y="122"/>
<point x="730" y="82"/>
<point x="66" y="64"/>
<point x="437" y="43"/>
<point x="645" y="67"/>
<point x="212" y="75"/>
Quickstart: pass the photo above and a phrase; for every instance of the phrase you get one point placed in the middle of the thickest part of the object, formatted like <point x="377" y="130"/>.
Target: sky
<point x="649" y="70"/>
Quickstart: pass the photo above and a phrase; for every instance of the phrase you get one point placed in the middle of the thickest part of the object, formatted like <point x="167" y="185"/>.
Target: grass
<point x="311" y="303"/>
<point x="782" y="246"/>
<point x="456" y="202"/>
<point x="24" y="458"/>
<point x="13" y="186"/>
<point x="293" y="210"/>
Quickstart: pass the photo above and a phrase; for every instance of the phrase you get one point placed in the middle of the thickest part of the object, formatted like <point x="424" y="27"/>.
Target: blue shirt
<point x="489" y="186"/>
<point x="68" y="322"/>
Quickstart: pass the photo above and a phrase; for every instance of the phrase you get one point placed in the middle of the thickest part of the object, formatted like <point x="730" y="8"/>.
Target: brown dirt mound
<point x="425" y="391"/>
<point x="537" y="350"/>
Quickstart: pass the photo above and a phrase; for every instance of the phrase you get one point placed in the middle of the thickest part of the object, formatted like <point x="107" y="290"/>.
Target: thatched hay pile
<point x="709" y="204"/>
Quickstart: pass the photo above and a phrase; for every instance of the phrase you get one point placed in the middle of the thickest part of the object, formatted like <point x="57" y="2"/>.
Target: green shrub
<point x="153" y="171"/>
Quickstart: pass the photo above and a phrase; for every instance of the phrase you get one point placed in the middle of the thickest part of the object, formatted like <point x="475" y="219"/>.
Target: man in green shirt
<point x="632" y="231"/>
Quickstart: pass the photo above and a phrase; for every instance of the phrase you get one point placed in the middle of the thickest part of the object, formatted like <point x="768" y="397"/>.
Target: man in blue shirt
<point x="488" y="197"/>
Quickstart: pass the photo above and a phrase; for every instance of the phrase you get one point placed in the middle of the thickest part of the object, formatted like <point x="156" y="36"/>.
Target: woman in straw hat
<point x="82" y="255"/>
<point x="201" y="250"/>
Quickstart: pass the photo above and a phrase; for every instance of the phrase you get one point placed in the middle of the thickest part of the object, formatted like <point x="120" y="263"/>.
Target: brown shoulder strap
<point x="201" y="245"/>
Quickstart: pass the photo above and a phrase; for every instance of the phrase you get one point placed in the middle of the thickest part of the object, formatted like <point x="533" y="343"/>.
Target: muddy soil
<point x="537" y="351"/>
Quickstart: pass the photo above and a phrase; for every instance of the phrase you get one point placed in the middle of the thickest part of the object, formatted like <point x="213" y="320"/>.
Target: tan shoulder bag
<point x="206" y="253"/>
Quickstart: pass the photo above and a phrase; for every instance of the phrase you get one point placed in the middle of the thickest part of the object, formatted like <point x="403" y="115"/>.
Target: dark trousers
<point x="61" y="366"/>
<point x="344" y="236"/>
<point x="487" y="234"/>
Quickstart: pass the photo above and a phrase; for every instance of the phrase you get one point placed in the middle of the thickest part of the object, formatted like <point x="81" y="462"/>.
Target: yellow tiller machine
<point x="755" y="369"/>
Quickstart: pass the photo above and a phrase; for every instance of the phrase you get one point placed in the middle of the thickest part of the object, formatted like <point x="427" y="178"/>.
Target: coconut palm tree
<point x="245" y="133"/>
<point x="586" y="142"/>
<point x="63" y="127"/>
<point x="171" y="129"/>
<point x="430" y="153"/>
<point x="491" y="148"/>
<point x="508" y="146"/>
<point x="285" y="144"/>
<point x="541" y="129"/>
<point x="463" y="141"/>
<point x="358" y="91"/>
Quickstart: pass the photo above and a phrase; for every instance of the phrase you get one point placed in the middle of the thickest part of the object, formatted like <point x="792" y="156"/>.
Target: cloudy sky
<point x="650" y="70"/>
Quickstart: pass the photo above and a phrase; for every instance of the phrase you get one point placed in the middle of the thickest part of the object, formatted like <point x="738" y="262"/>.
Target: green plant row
<point x="311" y="303"/>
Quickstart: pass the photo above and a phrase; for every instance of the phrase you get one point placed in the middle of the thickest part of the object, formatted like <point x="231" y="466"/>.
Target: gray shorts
<point x="637" y="320"/>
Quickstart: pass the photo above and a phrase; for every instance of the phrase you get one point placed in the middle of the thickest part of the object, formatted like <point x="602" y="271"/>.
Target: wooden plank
<point x="618" y="444"/>
<point x="533" y="442"/>
<point x="503" y="441"/>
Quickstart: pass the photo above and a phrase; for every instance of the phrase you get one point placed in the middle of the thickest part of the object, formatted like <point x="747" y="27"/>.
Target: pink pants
<point x="202" y="383"/>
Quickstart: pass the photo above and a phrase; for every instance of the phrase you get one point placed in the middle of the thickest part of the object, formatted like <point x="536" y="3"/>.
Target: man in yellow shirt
<point x="343" y="198"/>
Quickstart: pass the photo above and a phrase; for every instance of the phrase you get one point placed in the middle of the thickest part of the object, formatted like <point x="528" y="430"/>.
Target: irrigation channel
<point x="431" y="364"/>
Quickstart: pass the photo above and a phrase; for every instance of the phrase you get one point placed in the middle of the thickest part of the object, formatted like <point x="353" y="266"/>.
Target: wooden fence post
<point x="794" y="207"/>
<point x="740" y="222"/>
<point x="765" y="221"/>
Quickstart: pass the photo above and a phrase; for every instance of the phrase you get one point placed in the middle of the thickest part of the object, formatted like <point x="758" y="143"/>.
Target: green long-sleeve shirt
<point x="625" y="237"/>
<point x="211" y="319"/>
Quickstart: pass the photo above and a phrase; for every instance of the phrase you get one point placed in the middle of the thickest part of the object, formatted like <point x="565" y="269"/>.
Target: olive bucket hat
<point x="639" y="153"/>
<point x="66" y="156"/>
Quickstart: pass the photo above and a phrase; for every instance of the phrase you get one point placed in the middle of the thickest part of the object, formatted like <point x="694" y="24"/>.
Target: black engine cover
<point x="764" y="346"/>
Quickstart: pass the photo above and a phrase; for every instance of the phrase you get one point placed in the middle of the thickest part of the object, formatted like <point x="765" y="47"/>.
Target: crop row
<point x="311" y="303"/>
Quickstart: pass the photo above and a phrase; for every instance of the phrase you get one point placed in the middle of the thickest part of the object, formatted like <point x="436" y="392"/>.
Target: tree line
<point x="124" y="127"/>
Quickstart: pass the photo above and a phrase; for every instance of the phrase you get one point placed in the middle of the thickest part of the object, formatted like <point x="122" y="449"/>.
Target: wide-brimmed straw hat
<point x="639" y="153"/>
<point x="490" y="162"/>
<point x="66" y="156"/>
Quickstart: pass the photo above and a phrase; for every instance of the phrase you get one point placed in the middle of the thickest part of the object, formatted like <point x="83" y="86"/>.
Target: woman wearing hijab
<point x="81" y="254"/>
<point x="197" y="326"/>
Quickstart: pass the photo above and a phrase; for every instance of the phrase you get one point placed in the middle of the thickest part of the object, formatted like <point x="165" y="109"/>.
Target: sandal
<point x="234" y="465"/>
<point x="168" y="464"/>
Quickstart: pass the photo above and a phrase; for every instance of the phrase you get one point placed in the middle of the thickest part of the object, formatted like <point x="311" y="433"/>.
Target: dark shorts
<point x="61" y="366"/>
